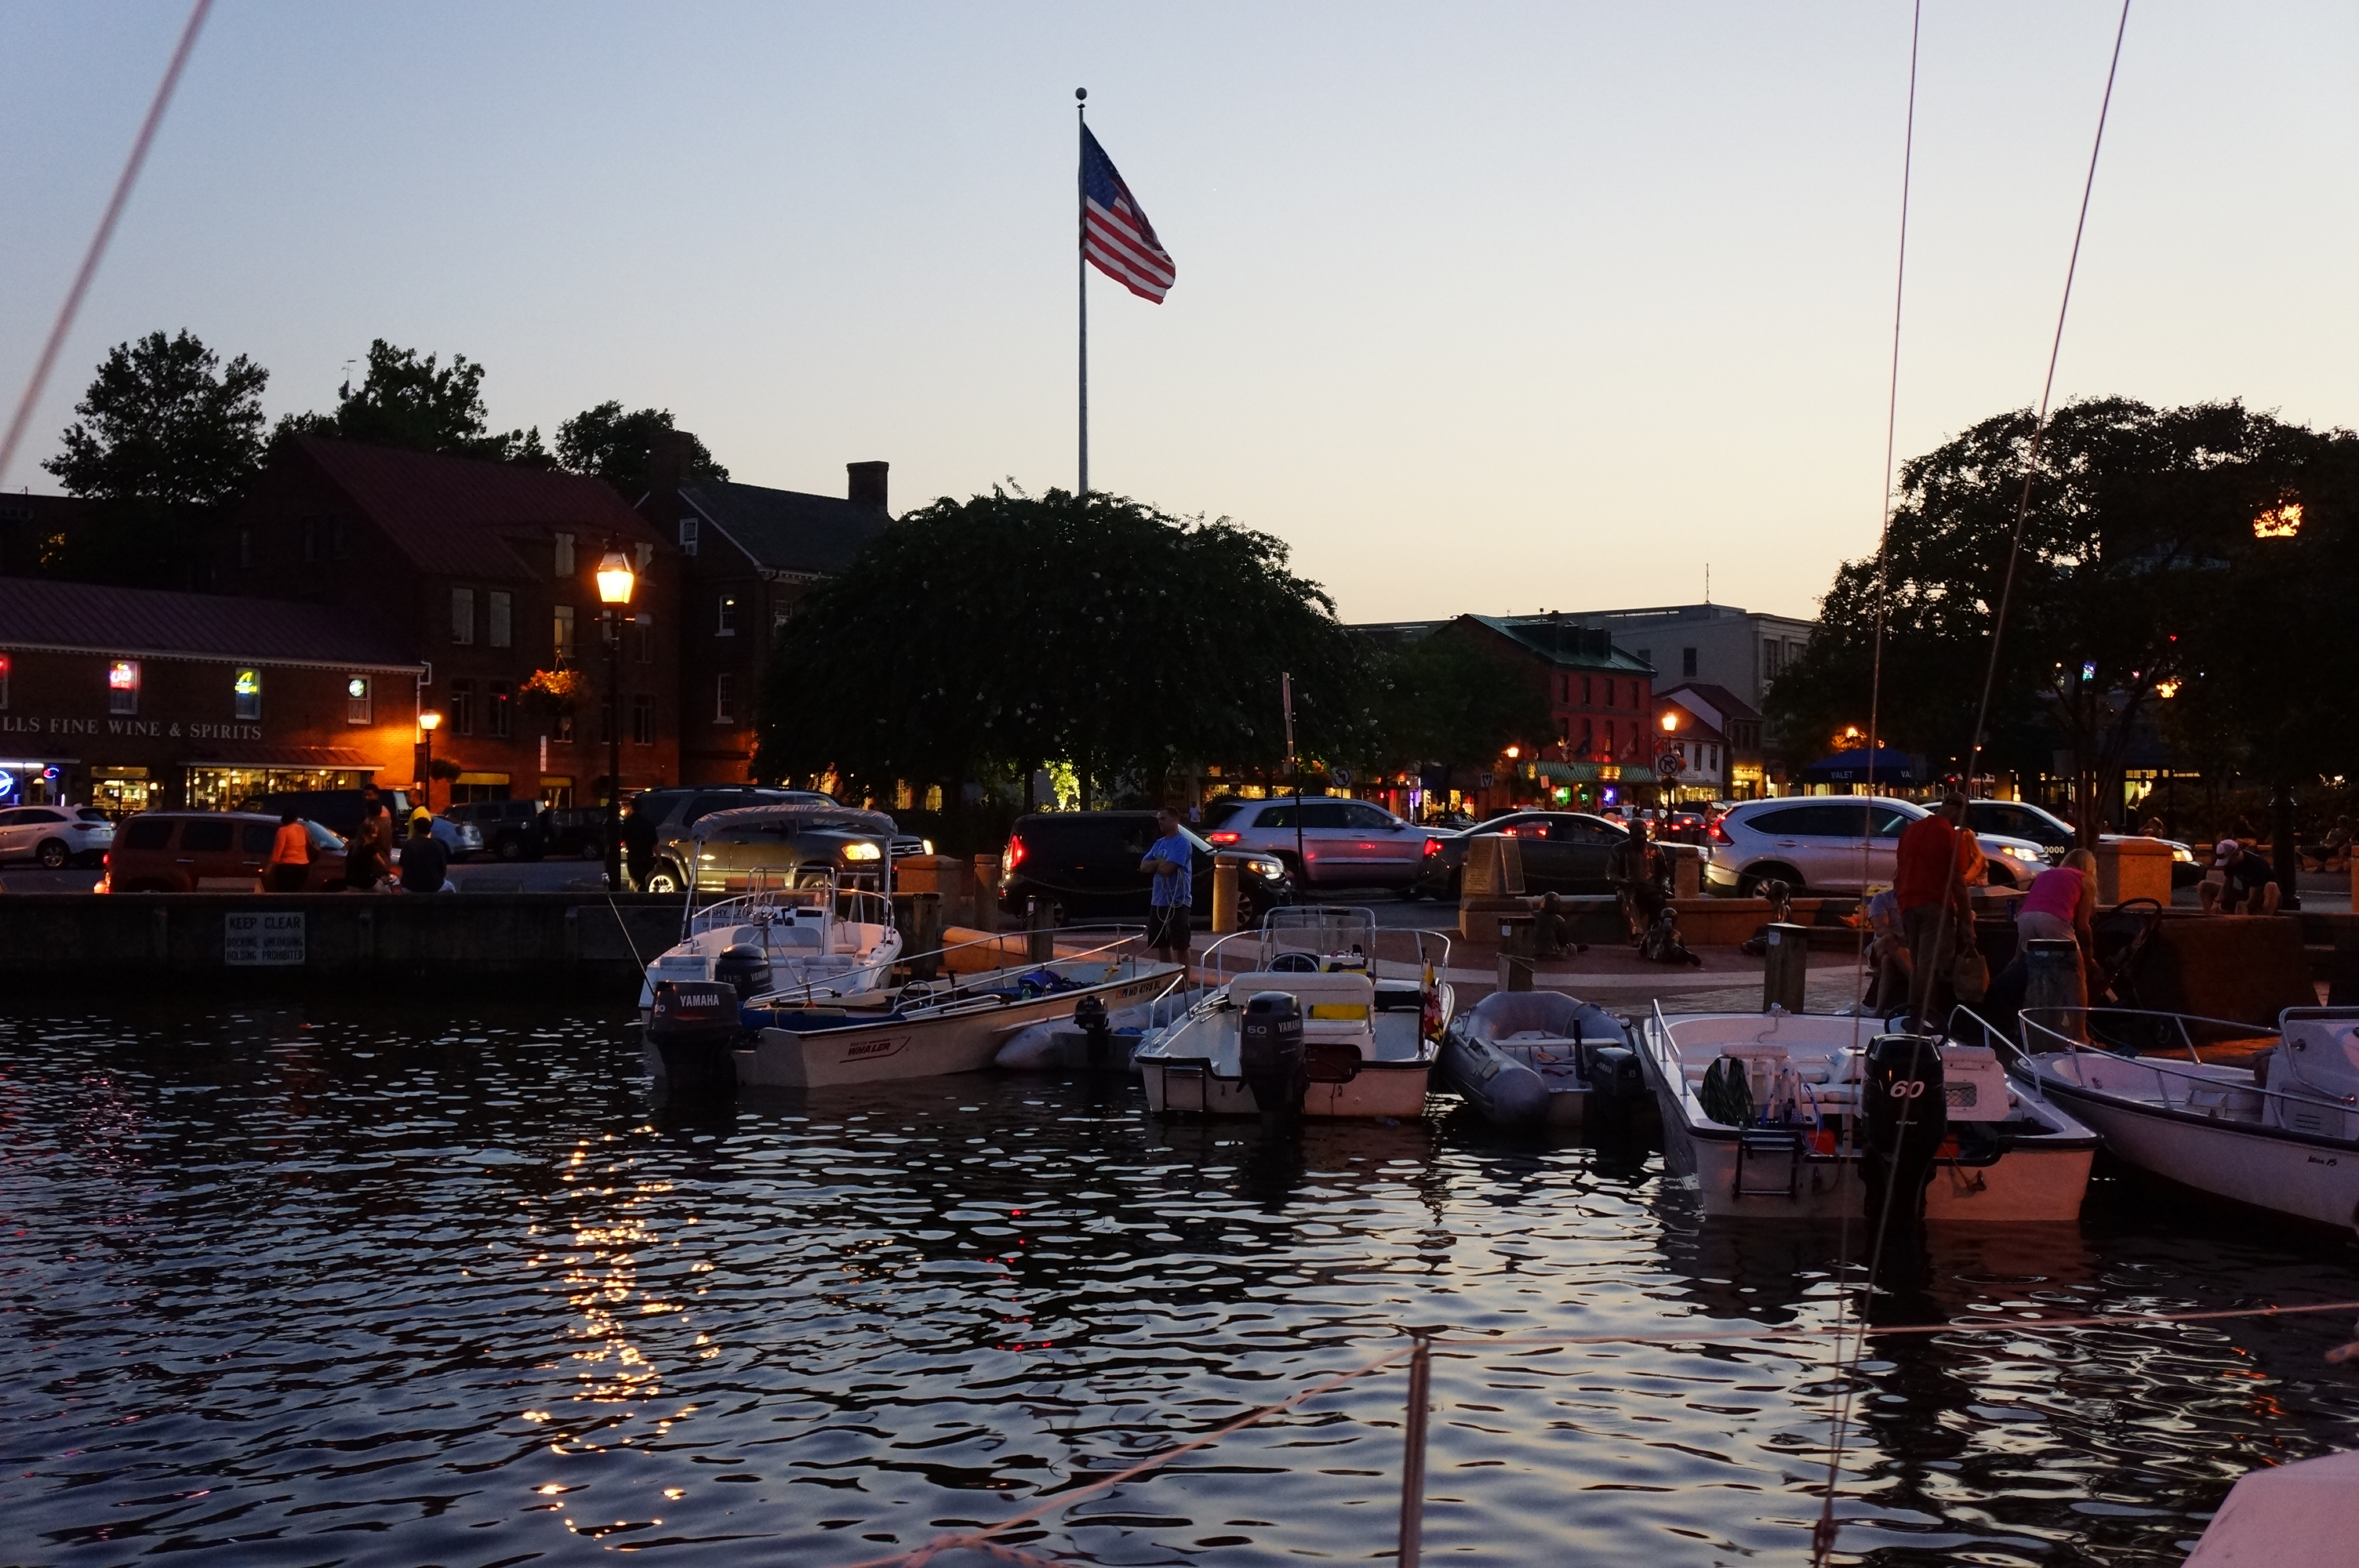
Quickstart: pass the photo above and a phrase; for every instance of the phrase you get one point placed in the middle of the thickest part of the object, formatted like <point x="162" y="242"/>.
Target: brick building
<point x="130" y="698"/>
<point x="483" y="574"/>
<point x="1718" y="738"/>
<point x="748" y="552"/>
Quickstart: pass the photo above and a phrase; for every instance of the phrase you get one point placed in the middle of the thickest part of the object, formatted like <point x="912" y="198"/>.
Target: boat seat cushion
<point x="1335" y="1005"/>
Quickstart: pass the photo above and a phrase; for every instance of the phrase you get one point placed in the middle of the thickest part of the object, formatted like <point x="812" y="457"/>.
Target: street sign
<point x="1669" y="764"/>
<point x="1342" y="777"/>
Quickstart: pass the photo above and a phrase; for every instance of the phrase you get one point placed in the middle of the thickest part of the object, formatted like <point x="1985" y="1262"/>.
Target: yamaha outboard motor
<point x="1097" y="1033"/>
<point x="1905" y="1117"/>
<point x="745" y="966"/>
<point x="1270" y="1052"/>
<point x="692" y="1033"/>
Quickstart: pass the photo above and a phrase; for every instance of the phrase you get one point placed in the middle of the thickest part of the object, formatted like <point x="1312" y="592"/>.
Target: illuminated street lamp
<point x="428" y="722"/>
<point x="615" y="581"/>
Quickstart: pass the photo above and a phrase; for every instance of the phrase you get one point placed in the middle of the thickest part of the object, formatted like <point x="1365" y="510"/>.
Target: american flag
<point x="1116" y="235"/>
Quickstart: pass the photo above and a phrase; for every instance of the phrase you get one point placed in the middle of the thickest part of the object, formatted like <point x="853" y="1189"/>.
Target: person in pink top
<point x="2061" y="904"/>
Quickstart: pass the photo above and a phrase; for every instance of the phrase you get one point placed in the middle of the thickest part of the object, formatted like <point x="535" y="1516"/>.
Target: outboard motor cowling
<point x="692" y="1033"/>
<point x="1096" y="1031"/>
<point x="1269" y="1052"/>
<point x="1904" y="1118"/>
<point x="745" y="966"/>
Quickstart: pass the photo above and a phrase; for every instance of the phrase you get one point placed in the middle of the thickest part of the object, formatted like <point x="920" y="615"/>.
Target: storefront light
<point x="123" y="674"/>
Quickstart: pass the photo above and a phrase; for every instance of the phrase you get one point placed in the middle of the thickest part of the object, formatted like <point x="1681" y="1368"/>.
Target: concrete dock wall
<point x="553" y="943"/>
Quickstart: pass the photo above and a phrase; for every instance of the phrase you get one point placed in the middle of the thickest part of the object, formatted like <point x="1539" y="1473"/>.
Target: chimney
<point x="867" y="484"/>
<point x="667" y="462"/>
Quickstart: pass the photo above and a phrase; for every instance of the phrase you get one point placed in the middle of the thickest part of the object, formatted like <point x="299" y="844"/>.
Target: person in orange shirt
<point x="290" y="854"/>
<point x="1930" y="886"/>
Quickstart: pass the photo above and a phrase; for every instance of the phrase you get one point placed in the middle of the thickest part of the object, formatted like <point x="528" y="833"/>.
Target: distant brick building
<point x="130" y="698"/>
<point x="483" y="574"/>
<point x="748" y="554"/>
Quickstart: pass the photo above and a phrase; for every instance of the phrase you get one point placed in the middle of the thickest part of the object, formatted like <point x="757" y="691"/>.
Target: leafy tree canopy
<point x="1006" y="631"/>
<point x="406" y="401"/>
<point x="1446" y="700"/>
<point x="165" y="425"/>
<point x="2139" y="550"/>
<point x="615" y="447"/>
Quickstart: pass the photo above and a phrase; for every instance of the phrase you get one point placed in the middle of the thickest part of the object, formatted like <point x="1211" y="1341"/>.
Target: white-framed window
<point x="561" y="634"/>
<point x="360" y="703"/>
<point x="245" y="692"/>
<point x="643" y="638"/>
<point x="502" y="618"/>
<point x="564" y="555"/>
<point x="462" y="616"/>
<point x="725" y="699"/>
<point x="643" y="719"/>
<point x="123" y="686"/>
<point x="688" y="535"/>
<point x="724" y="620"/>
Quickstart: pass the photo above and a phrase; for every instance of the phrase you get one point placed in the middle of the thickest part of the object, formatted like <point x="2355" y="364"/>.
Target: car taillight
<point x="1433" y="846"/>
<point x="1720" y="835"/>
<point x="1015" y="852"/>
<point x="1223" y="837"/>
<point x="107" y="858"/>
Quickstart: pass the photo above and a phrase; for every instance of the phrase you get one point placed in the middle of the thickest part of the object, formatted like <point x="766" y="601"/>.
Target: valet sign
<point x="257" y="939"/>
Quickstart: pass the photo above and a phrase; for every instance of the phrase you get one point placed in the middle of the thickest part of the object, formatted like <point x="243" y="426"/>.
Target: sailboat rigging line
<point x="1822" y="1533"/>
<point x="2039" y="428"/>
<point x="98" y="243"/>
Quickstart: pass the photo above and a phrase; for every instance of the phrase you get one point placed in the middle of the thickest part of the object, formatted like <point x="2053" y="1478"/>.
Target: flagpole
<point x="1081" y="271"/>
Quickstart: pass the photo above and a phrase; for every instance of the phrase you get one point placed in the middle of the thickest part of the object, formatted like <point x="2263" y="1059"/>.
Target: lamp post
<point x="615" y="580"/>
<point x="428" y="722"/>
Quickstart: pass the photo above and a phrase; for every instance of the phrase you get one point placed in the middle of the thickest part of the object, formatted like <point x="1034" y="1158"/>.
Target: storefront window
<point x="227" y="789"/>
<point x="119" y="792"/>
<point x="123" y="686"/>
<point x="248" y="690"/>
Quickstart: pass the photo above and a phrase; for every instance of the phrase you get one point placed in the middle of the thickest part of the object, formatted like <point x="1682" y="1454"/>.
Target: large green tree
<point x="615" y="447"/>
<point x="1006" y="632"/>
<point x="1446" y="700"/>
<point x="165" y="425"/>
<point x="406" y="400"/>
<point x="2136" y="550"/>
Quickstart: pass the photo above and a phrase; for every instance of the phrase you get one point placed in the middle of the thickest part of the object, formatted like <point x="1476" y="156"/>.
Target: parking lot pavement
<point x="32" y="879"/>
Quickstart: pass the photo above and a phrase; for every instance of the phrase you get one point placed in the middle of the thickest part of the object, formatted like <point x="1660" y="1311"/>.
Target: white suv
<point x="1836" y="843"/>
<point x="1341" y="843"/>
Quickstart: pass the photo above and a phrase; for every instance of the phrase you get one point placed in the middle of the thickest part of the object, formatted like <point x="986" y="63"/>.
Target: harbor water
<point x="371" y="1285"/>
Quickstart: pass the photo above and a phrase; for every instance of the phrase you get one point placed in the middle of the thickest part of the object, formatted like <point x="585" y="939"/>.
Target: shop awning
<point x="1852" y="767"/>
<point x="1595" y="772"/>
<point x="241" y="754"/>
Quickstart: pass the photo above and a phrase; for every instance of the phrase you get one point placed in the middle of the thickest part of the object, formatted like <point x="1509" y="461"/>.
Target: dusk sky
<point x="1496" y="308"/>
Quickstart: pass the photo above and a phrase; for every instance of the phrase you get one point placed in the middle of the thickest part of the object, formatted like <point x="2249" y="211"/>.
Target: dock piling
<point x="1786" y="970"/>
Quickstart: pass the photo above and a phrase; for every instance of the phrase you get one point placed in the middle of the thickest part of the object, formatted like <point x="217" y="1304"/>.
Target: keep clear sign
<point x="272" y="938"/>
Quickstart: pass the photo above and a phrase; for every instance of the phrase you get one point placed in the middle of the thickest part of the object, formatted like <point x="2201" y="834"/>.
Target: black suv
<point x="1087" y="861"/>
<point x="1562" y="852"/>
<point x="337" y="810"/>
<point x="512" y="829"/>
<point x="832" y="836"/>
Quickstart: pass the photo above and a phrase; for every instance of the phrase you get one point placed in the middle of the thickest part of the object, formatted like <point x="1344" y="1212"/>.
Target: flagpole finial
<point x="1081" y="94"/>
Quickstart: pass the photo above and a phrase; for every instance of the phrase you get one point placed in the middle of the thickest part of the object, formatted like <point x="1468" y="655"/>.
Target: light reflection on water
<point x="367" y="1287"/>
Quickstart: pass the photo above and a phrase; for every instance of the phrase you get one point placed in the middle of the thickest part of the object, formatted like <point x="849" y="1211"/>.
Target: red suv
<point x="195" y="851"/>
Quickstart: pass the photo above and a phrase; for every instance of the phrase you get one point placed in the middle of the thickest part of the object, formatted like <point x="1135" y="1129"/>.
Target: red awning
<point x="240" y="756"/>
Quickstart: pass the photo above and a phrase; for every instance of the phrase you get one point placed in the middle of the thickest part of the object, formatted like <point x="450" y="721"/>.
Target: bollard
<point x="987" y="892"/>
<point x="1420" y="1399"/>
<point x="1042" y="917"/>
<point x="925" y="934"/>
<point x="2052" y="981"/>
<point x="1224" y="895"/>
<point x="1787" y="967"/>
<point x="1687" y="871"/>
<point x="1517" y="937"/>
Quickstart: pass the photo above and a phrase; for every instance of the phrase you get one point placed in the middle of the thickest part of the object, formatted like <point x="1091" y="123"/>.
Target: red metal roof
<point x="454" y="515"/>
<point x="82" y="617"/>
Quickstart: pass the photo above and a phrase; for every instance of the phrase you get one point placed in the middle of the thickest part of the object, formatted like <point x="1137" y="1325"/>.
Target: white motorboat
<point x="812" y="941"/>
<point x="2280" y="1134"/>
<point x="1796" y="1154"/>
<point x="931" y="1029"/>
<point x="1525" y="1058"/>
<point x="1367" y="1047"/>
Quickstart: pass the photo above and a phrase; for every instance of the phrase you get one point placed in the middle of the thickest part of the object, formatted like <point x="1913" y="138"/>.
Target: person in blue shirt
<point x="1169" y="861"/>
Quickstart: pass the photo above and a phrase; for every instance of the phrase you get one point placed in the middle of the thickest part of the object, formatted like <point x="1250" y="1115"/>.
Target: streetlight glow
<point x="430" y="721"/>
<point x="616" y="578"/>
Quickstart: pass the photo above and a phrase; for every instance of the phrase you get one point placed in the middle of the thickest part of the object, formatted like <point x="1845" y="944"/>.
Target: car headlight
<point x="929" y="843"/>
<point x="2184" y="855"/>
<point x="1269" y="870"/>
<point x="863" y="852"/>
<point x="2025" y="853"/>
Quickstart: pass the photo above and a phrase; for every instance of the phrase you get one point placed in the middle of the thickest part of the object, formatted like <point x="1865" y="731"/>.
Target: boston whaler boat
<point x="783" y="941"/>
<point x="1309" y="1027"/>
<point x="1532" y="1058"/>
<point x="2278" y="1133"/>
<point x="1766" y="1113"/>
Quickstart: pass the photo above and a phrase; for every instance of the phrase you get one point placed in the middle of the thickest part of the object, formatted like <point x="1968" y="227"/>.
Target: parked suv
<point x="846" y="837"/>
<point x="1562" y="852"/>
<point x="511" y="830"/>
<point x="2021" y="820"/>
<point x="1087" y="861"/>
<point x="1340" y="843"/>
<point x="54" y="836"/>
<point x="337" y="810"/>
<point x="182" y="851"/>
<point x="1829" y="843"/>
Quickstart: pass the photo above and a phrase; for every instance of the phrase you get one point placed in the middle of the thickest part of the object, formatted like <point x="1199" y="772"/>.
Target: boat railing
<point x="2166" y="1069"/>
